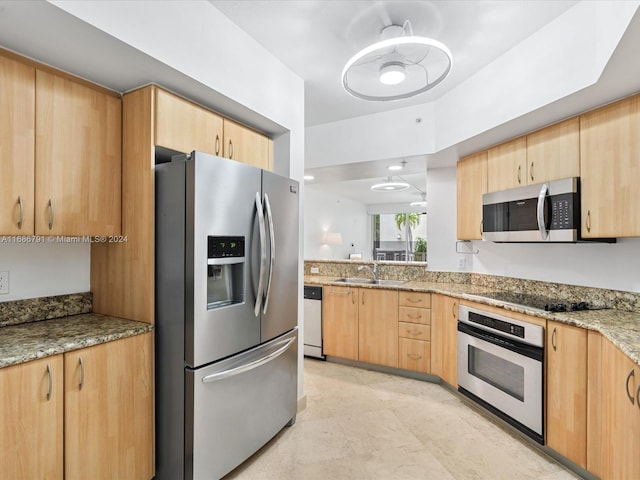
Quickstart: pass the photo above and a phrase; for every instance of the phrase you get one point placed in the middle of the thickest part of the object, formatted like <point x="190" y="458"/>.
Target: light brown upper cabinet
<point x="184" y="126"/>
<point x="471" y="175"/>
<point x="610" y="170"/>
<point x="17" y="134"/>
<point x="247" y="146"/>
<point x="77" y="158"/>
<point x="507" y="165"/>
<point x="553" y="153"/>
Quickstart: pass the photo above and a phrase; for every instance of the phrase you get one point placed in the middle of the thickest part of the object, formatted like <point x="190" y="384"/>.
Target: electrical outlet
<point x="4" y="283"/>
<point x="315" y="270"/>
<point x="462" y="263"/>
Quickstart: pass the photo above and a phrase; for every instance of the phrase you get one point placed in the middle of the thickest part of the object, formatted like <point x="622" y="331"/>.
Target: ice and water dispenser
<point x="225" y="271"/>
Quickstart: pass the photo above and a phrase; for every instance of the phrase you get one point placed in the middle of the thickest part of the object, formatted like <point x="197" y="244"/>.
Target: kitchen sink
<point x="369" y="281"/>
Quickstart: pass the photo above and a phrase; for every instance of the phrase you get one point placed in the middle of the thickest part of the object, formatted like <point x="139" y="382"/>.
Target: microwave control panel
<point x="564" y="214"/>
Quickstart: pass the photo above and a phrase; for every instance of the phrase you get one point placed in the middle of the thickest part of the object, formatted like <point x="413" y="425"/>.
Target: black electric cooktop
<point x="541" y="303"/>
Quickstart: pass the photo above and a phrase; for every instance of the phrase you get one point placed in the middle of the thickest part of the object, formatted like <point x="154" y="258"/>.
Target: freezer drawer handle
<point x="249" y="366"/>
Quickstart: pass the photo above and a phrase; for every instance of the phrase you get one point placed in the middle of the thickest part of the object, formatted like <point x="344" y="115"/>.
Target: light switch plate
<point x="462" y="263"/>
<point x="4" y="283"/>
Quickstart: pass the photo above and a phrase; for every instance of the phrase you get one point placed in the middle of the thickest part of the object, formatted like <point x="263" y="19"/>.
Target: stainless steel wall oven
<point x="500" y="367"/>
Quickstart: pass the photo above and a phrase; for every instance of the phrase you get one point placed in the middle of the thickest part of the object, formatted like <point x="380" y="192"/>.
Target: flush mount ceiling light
<point x="400" y="65"/>
<point x="397" y="167"/>
<point x="389" y="186"/>
<point x="420" y="203"/>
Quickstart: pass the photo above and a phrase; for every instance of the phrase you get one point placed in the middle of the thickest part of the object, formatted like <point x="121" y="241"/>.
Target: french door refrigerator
<point x="226" y="313"/>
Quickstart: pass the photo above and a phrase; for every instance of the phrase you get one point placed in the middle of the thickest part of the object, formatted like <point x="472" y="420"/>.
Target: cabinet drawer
<point x="415" y="315"/>
<point x="415" y="299"/>
<point x="414" y="330"/>
<point x="414" y="355"/>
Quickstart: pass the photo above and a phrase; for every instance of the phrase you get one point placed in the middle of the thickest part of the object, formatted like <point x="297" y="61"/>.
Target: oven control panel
<point x="495" y="324"/>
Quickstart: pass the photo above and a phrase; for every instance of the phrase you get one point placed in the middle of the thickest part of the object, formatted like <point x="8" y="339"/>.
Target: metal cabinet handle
<point x="81" y="373"/>
<point x="353" y="297"/>
<point x="632" y="373"/>
<point x="453" y="309"/>
<point x="519" y="170"/>
<point x="50" y="374"/>
<point x="481" y="225"/>
<point x="50" y="214"/>
<point x="363" y="297"/>
<point x="638" y="397"/>
<point x="531" y="171"/>
<point x="230" y="149"/>
<point x="414" y="332"/>
<point x="588" y="220"/>
<point x="217" y="145"/>
<point x="20" y="218"/>
<point x="419" y="300"/>
<point x="414" y="356"/>
<point x="553" y="339"/>
<point x="414" y="316"/>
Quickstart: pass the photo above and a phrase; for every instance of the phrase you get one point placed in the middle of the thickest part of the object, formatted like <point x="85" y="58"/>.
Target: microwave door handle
<point x="272" y="243"/>
<point x="544" y="233"/>
<point x="263" y="255"/>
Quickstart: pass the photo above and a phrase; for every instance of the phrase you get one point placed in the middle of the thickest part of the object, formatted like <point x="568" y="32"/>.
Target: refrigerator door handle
<point x="214" y="377"/>
<point x="272" y="242"/>
<point x="263" y="255"/>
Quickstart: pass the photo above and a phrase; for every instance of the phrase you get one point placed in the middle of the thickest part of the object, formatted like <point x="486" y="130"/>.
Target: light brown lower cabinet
<point x="101" y="397"/>
<point x="567" y="391"/>
<point x="340" y="322"/>
<point x="620" y="415"/>
<point x="444" y="338"/>
<point x="109" y="410"/>
<point x="31" y="421"/>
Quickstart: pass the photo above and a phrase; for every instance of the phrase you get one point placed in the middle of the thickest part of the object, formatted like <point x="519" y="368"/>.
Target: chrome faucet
<point x="374" y="272"/>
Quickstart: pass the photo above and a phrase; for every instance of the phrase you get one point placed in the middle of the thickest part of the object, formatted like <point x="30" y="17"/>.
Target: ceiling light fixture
<point x="400" y="65"/>
<point x="420" y="203"/>
<point x="389" y="186"/>
<point x="396" y="167"/>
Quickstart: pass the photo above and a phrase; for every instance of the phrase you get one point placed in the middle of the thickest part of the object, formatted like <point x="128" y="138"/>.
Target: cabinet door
<point x="17" y="140"/>
<point x="247" y="146"/>
<point x="620" y="415"/>
<point x="378" y="327"/>
<point x="471" y="175"/>
<point x="567" y="391"/>
<point x="78" y="153"/>
<point x="444" y="338"/>
<point x="609" y="173"/>
<point x="340" y="322"/>
<point x="109" y="410"/>
<point x="31" y="435"/>
<point x="185" y="127"/>
<point x="507" y="165"/>
<point x="553" y="153"/>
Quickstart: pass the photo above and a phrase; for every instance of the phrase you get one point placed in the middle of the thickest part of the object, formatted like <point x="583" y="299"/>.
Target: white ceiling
<point x="315" y="38"/>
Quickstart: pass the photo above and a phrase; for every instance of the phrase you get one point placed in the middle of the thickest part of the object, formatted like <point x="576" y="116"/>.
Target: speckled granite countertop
<point x="622" y="328"/>
<point x="30" y="341"/>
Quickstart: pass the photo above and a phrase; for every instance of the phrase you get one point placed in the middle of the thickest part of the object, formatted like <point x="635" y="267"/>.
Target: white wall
<point x="441" y="219"/>
<point x="46" y="269"/>
<point x="329" y="213"/>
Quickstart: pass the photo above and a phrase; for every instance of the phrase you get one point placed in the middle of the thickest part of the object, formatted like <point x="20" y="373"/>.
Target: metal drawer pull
<point x="414" y="332"/>
<point x="414" y="356"/>
<point x="217" y="145"/>
<point x="20" y="207"/>
<point x="419" y="300"/>
<point x="414" y="316"/>
<point x="638" y="396"/>
<point x="50" y="214"/>
<point x="81" y="373"/>
<point x="553" y="340"/>
<point x="632" y="373"/>
<point x="50" y="374"/>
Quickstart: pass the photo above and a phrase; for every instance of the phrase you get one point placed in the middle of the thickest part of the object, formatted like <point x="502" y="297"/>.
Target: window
<point x="399" y="237"/>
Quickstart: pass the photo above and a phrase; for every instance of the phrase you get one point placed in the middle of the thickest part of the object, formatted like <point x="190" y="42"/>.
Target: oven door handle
<point x="530" y="351"/>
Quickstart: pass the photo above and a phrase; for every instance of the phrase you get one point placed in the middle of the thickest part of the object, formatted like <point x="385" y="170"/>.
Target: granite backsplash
<point x="616" y="299"/>
<point x="15" y="312"/>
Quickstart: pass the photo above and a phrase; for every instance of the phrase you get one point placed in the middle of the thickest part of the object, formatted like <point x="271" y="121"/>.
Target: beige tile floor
<point x="361" y="425"/>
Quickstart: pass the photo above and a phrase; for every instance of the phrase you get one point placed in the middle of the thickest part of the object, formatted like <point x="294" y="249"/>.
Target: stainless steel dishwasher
<point x="313" y="321"/>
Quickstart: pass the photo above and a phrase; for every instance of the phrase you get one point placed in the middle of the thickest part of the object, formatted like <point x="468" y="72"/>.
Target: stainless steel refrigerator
<point x="226" y="313"/>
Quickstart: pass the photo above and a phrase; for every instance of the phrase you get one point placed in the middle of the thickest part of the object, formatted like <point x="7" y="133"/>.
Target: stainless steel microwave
<point x="546" y="212"/>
